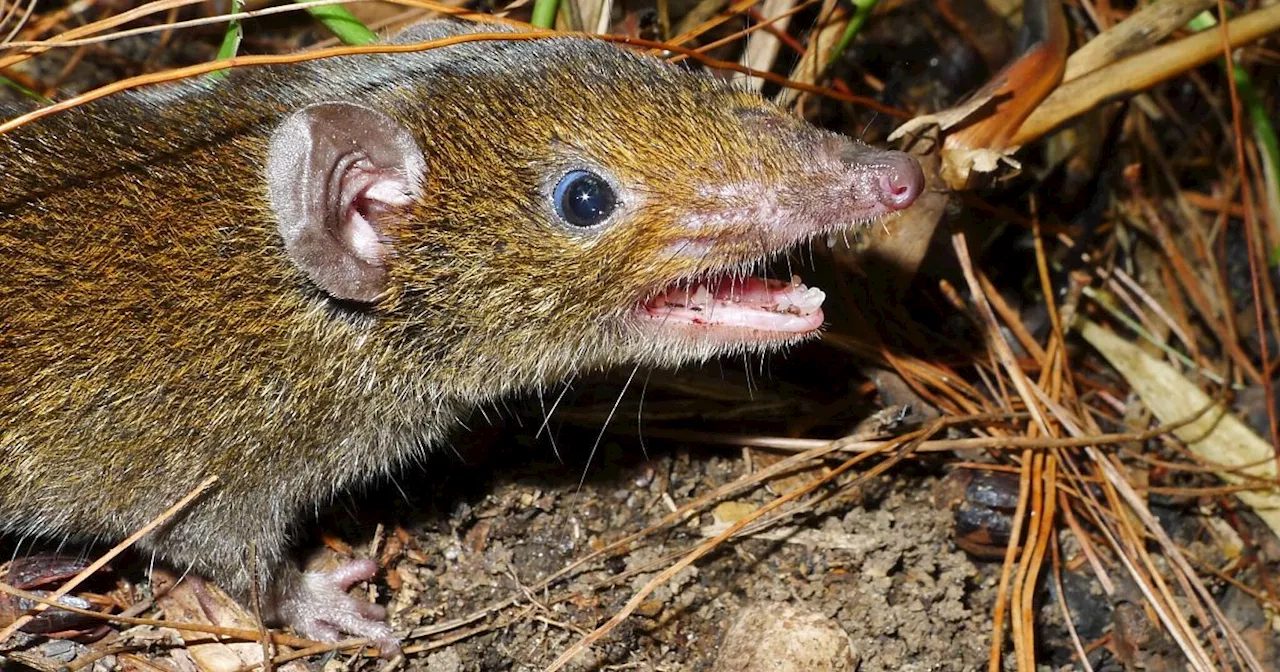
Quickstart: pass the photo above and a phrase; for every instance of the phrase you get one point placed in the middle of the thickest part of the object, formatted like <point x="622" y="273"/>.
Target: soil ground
<point x="883" y="567"/>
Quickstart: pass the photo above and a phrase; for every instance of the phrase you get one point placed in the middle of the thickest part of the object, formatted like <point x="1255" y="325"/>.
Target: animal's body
<point x="299" y="278"/>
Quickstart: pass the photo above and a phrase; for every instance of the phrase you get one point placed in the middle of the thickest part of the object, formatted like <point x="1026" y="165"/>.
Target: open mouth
<point x="768" y="309"/>
<point x="856" y="185"/>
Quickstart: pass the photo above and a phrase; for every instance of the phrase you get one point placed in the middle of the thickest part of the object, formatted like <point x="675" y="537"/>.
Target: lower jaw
<point x="723" y="336"/>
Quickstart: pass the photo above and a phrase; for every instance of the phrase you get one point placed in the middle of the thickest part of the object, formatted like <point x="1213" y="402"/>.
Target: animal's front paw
<point x="318" y="607"/>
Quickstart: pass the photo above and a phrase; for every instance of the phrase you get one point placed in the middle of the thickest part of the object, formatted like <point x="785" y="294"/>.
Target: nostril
<point x="894" y="188"/>
<point x="901" y="182"/>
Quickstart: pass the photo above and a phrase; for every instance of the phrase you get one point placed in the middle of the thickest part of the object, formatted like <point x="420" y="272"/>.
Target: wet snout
<point x="892" y="179"/>
<point x="898" y="177"/>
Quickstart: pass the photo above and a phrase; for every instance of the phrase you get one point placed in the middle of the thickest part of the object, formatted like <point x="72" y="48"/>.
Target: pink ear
<point x="333" y="169"/>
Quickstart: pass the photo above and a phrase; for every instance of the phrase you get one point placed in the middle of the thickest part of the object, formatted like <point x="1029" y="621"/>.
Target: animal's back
<point x="153" y="332"/>
<point x="149" y="321"/>
<point x="109" y="291"/>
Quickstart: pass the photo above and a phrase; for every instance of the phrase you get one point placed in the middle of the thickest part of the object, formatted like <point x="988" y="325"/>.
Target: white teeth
<point x="795" y="299"/>
<point x="698" y="299"/>
<point x="813" y="298"/>
<point x="701" y="298"/>
<point x="831" y="240"/>
<point x="804" y="301"/>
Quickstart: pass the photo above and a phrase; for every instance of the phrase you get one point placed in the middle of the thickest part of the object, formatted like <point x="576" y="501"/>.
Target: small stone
<point x="649" y="608"/>
<point x="777" y="637"/>
<point x="61" y="650"/>
<point x="447" y="660"/>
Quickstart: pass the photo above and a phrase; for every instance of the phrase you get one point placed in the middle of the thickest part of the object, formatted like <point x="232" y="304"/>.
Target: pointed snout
<point x="898" y="179"/>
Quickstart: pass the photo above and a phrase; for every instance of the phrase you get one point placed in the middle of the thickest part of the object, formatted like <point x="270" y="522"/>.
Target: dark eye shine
<point x="584" y="199"/>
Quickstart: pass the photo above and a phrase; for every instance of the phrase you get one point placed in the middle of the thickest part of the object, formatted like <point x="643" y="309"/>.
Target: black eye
<point x="584" y="199"/>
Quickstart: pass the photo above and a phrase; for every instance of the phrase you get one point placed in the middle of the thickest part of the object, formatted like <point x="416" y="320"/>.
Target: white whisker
<point x="599" y="438"/>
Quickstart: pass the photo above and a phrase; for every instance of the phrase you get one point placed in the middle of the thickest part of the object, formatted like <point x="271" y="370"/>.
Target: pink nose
<point x="901" y="180"/>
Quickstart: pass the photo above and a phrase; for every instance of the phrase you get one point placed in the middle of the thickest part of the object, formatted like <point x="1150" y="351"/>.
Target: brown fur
<point x="153" y="333"/>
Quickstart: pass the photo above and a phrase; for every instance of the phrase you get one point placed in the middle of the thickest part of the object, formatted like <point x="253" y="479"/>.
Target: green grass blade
<point x="544" y="13"/>
<point x="230" y="40"/>
<point x="34" y="95"/>
<point x="861" y="12"/>
<point x="343" y="24"/>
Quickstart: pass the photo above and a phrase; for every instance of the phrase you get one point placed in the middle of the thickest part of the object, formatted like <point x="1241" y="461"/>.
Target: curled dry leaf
<point x="978" y="132"/>
<point x="985" y="130"/>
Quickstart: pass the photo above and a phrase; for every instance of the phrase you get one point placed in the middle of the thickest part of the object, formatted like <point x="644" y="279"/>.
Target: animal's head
<point x="571" y="205"/>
